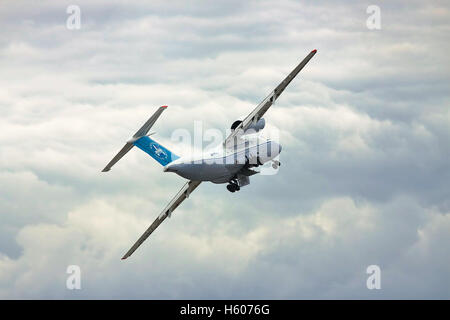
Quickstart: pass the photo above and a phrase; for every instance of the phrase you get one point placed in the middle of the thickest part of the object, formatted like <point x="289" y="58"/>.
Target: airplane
<point x="232" y="163"/>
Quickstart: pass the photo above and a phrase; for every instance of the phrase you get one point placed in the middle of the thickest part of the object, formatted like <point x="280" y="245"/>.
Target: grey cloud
<point x="364" y="175"/>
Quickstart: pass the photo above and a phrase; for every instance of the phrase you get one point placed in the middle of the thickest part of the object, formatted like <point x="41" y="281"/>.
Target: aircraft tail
<point x="142" y="141"/>
<point x="155" y="150"/>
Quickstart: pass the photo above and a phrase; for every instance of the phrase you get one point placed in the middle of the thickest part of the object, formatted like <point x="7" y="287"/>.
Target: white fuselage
<point x="222" y="164"/>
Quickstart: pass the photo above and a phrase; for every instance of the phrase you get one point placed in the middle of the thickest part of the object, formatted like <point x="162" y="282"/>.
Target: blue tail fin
<point x="155" y="150"/>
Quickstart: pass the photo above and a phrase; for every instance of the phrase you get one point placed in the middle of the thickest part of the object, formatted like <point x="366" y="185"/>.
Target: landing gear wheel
<point x="276" y="164"/>
<point x="232" y="187"/>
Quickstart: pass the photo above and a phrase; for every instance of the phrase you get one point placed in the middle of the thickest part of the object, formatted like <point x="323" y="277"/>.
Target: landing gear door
<point x="243" y="180"/>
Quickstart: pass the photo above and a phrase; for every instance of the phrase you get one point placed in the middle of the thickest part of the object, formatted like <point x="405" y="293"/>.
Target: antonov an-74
<point x="232" y="163"/>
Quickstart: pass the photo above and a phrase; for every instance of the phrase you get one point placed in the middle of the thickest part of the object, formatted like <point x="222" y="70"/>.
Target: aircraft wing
<point x="261" y="109"/>
<point x="176" y="201"/>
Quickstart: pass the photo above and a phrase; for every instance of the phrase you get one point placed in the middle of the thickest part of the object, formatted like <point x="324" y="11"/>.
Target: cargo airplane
<point x="232" y="163"/>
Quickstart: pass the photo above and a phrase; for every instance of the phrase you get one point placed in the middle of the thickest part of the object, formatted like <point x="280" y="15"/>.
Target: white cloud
<point x="365" y="149"/>
<point x="326" y="251"/>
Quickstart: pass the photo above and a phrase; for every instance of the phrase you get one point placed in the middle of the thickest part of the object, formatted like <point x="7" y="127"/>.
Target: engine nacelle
<point x="255" y="127"/>
<point x="235" y="124"/>
<point x="258" y="125"/>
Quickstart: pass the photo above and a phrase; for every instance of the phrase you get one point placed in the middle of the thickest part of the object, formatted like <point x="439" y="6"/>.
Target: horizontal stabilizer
<point x="138" y="135"/>
<point x="150" y="122"/>
<point x="127" y="147"/>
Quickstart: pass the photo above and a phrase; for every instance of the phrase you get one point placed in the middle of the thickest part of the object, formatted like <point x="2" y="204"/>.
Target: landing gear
<point x="276" y="164"/>
<point x="233" y="187"/>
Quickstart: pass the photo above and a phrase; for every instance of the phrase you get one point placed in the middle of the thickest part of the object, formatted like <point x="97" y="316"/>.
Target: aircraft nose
<point x="276" y="147"/>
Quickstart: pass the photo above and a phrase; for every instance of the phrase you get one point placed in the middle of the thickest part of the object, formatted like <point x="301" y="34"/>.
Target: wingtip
<point x="123" y="258"/>
<point x="164" y="107"/>
<point x="315" y="50"/>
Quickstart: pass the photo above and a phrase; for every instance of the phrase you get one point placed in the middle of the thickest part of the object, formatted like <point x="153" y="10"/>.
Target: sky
<point x="365" y="130"/>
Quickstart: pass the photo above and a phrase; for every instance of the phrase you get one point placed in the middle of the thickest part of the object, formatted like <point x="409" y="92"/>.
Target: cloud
<point x="364" y="176"/>
<point x="325" y="251"/>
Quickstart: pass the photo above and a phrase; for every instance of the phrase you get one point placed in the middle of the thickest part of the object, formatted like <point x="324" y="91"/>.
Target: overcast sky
<point x="365" y="129"/>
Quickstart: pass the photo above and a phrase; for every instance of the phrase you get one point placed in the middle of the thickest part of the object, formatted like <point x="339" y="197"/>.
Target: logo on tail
<point x="158" y="151"/>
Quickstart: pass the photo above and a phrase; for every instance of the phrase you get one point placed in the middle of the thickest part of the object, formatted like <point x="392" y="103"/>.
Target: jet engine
<point x="254" y="126"/>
